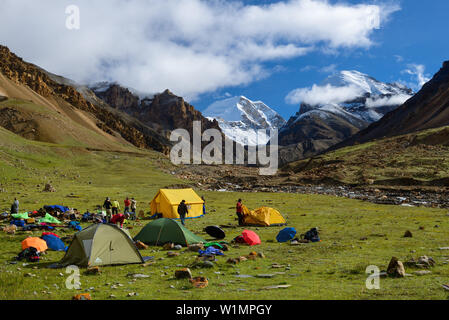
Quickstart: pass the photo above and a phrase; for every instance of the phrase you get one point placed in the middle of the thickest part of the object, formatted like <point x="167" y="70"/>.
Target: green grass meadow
<point x="354" y="235"/>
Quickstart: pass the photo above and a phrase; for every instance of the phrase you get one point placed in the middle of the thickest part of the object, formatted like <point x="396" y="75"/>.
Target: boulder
<point x="141" y="246"/>
<point x="82" y="296"/>
<point x="168" y="246"/>
<point x="93" y="271"/>
<point x="199" y="282"/>
<point x="232" y="261"/>
<point x="396" y="268"/>
<point x="196" y="247"/>
<point x="183" y="274"/>
<point x="49" y="188"/>
<point x="172" y="254"/>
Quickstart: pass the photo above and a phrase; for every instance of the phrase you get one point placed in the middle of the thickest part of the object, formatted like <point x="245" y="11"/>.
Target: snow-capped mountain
<point x="338" y="108"/>
<point x="352" y="94"/>
<point x="240" y="119"/>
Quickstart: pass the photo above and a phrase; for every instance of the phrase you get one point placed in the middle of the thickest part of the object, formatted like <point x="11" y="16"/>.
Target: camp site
<point x="242" y="153"/>
<point x="154" y="256"/>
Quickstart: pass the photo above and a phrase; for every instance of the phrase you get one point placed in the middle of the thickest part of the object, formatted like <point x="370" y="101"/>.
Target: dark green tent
<point x="162" y="231"/>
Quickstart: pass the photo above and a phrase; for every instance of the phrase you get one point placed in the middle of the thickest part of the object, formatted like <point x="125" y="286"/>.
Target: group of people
<point x="112" y="210"/>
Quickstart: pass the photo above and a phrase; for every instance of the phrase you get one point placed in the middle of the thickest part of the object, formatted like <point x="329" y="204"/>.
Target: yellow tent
<point x="263" y="217"/>
<point x="166" y="202"/>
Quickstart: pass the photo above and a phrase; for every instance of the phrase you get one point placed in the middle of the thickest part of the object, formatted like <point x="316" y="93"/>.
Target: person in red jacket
<point x="127" y="205"/>
<point x="118" y="218"/>
<point x="239" y="211"/>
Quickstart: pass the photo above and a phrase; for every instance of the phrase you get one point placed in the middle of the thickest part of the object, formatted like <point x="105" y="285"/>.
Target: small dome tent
<point x="166" y="202"/>
<point x="262" y="217"/>
<point x="162" y="231"/>
<point x="101" y="245"/>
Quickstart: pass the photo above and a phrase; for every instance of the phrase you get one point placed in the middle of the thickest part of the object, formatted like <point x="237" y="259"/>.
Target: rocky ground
<point x="244" y="179"/>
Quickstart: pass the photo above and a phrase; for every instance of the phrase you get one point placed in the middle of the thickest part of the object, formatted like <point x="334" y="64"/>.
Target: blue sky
<point x="417" y="34"/>
<point x="206" y="50"/>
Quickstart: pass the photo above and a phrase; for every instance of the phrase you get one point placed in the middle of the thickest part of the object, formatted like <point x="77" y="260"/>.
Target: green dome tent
<point x="101" y="245"/>
<point x="162" y="231"/>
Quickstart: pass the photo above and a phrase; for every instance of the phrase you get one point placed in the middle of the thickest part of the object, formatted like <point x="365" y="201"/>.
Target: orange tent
<point x="37" y="243"/>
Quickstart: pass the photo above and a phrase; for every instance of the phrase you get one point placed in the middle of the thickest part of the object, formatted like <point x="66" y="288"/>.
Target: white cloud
<point x="329" y="69"/>
<point x="398" y="58"/>
<point x="418" y="71"/>
<point x="387" y="101"/>
<point x="327" y="94"/>
<point x="189" y="46"/>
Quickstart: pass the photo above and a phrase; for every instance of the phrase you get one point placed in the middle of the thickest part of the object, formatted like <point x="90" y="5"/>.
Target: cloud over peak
<point x="189" y="46"/>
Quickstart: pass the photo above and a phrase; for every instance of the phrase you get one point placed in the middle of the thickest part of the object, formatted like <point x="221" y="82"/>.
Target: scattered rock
<point x="408" y="234"/>
<point x="49" y="188"/>
<point x="168" y="246"/>
<point x="177" y="247"/>
<point x="196" y="247"/>
<point x="422" y="272"/>
<point x="396" y="268"/>
<point x="242" y="258"/>
<point x="137" y="275"/>
<point x="206" y="264"/>
<point x="232" y="261"/>
<point x="141" y="246"/>
<point x="285" y="286"/>
<point x="183" y="274"/>
<point x="93" y="271"/>
<point x="199" y="282"/>
<point x="172" y="254"/>
<point x="266" y="276"/>
<point x="82" y="296"/>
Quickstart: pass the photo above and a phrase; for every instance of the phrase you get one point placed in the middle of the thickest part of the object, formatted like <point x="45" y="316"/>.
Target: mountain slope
<point x="240" y="119"/>
<point x="415" y="159"/>
<point x="429" y="108"/>
<point x="342" y="106"/>
<point x="80" y="120"/>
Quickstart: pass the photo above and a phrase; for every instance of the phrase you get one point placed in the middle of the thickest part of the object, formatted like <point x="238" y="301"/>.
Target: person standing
<point x="133" y="208"/>
<point x="115" y="207"/>
<point x="239" y="211"/>
<point x="108" y="206"/>
<point x="127" y="205"/>
<point x="15" y="206"/>
<point x="183" y="211"/>
<point x="204" y="205"/>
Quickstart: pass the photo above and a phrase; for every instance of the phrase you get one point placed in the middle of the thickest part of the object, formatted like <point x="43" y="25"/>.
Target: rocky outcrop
<point x="37" y="79"/>
<point x="163" y="112"/>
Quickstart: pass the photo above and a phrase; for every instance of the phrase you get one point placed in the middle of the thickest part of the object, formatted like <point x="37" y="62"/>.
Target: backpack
<point x="30" y="254"/>
<point x="312" y="235"/>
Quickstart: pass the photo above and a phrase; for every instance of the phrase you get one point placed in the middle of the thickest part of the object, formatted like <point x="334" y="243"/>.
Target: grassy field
<point x="331" y="269"/>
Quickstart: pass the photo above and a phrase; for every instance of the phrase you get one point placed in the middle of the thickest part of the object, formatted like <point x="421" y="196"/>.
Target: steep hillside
<point x="23" y="82"/>
<point x="417" y="159"/>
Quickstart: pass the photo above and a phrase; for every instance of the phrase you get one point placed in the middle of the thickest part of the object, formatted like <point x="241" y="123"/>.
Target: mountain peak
<point x="240" y="118"/>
